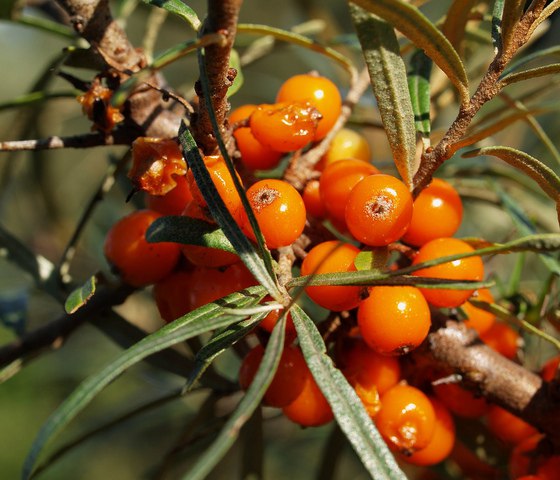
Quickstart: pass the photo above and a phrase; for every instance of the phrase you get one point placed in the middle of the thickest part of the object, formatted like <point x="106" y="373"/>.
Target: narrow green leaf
<point x="346" y="406"/>
<point x="243" y="247"/>
<point x="547" y="12"/>
<point x="497" y="13"/>
<point x="80" y="296"/>
<point x="524" y="225"/>
<point x="456" y="20"/>
<point x="46" y="25"/>
<point x="36" y="97"/>
<point x="234" y="62"/>
<point x="251" y="400"/>
<point x="524" y="60"/>
<point x="372" y="259"/>
<point x="419" y="88"/>
<point x="538" y="171"/>
<point x="219" y="343"/>
<point x="530" y="74"/>
<point x="203" y="319"/>
<point x="425" y="35"/>
<point x="178" y="8"/>
<point x="388" y="79"/>
<point x="188" y="231"/>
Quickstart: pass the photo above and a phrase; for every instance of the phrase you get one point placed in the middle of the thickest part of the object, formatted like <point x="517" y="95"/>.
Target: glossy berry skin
<point x="320" y="92"/>
<point x="437" y="212"/>
<point x="311" y="196"/>
<point x="346" y="144"/>
<point x="442" y="442"/>
<point x="378" y="210"/>
<point x="460" y="401"/>
<point x="550" y="368"/>
<point x="503" y="339"/>
<point x="337" y="181"/>
<point x="477" y="318"/>
<point x="223" y="181"/>
<point x="279" y="210"/>
<point x="184" y="291"/>
<point x="173" y="202"/>
<point x="508" y="427"/>
<point x="269" y="322"/>
<point x="310" y="408"/>
<point x="254" y="155"/>
<point x="205" y="256"/>
<point x="288" y="381"/>
<point x="406" y="420"/>
<point x="138" y="262"/>
<point x="370" y="373"/>
<point x="394" y="320"/>
<point x="284" y="127"/>
<point x="470" y="268"/>
<point x="330" y="257"/>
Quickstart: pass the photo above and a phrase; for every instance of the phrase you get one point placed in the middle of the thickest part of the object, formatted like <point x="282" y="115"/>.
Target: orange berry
<point x="549" y="369"/>
<point x="337" y="181"/>
<point x="269" y="322"/>
<point x="460" y="401"/>
<point x="524" y="458"/>
<point x="320" y="92"/>
<point x="502" y="338"/>
<point x="284" y="127"/>
<point x="378" y="210"/>
<point x="508" y="427"/>
<point x="437" y="213"/>
<point x="310" y="408"/>
<point x="205" y="256"/>
<point x="407" y="419"/>
<point x="477" y="318"/>
<point x="470" y="268"/>
<point x="223" y="181"/>
<point x="394" y="320"/>
<point x="344" y="145"/>
<point x="138" y="262"/>
<point x="254" y="155"/>
<point x="442" y="441"/>
<point x="173" y="202"/>
<point x="549" y="469"/>
<point x="288" y="381"/>
<point x="279" y="210"/>
<point x="330" y="257"/>
<point x="312" y="199"/>
<point x="185" y="291"/>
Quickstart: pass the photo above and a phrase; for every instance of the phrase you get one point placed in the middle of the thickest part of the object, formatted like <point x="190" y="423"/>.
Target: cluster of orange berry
<point x="370" y="209"/>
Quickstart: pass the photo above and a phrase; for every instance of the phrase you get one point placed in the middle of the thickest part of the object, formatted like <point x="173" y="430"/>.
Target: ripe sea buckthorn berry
<point x="470" y="268"/>
<point x="310" y="408"/>
<point x="174" y="201"/>
<point x="320" y="92"/>
<point x="138" y="262"/>
<point x="479" y="319"/>
<point x="337" y="181"/>
<point x="223" y="181"/>
<point x="345" y="144"/>
<point x="442" y="441"/>
<point x="288" y="381"/>
<point x="279" y="210"/>
<point x="156" y="164"/>
<point x="311" y="196"/>
<point x="370" y="373"/>
<point x="460" y="401"/>
<point x="394" y="320"/>
<point x="549" y="369"/>
<point x="185" y="291"/>
<point x="437" y="212"/>
<point x="502" y="338"/>
<point x="254" y="155"/>
<point x="205" y="256"/>
<point x="378" y="210"/>
<point x="524" y="458"/>
<point x="270" y="321"/>
<point x="330" y="257"/>
<point x="549" y="469"/>
<point x="407" y="419"/>
<point x="284" y="127"/>
<point x="508" y="427"/>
